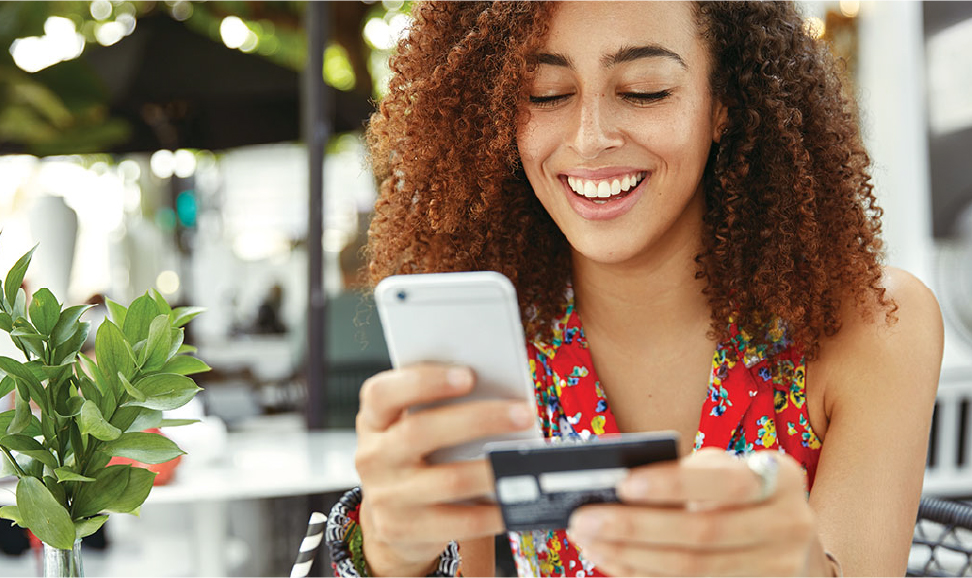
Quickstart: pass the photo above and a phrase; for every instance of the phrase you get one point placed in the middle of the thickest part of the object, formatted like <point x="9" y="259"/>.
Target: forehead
<point x="595" y="28"/>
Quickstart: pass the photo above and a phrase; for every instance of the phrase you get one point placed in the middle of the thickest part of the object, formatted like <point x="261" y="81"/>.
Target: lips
<point x="605" y="189"/>
<point x="599" y="197"/>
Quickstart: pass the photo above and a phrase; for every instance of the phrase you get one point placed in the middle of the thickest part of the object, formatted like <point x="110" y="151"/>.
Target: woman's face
<point x="620" y="123"/>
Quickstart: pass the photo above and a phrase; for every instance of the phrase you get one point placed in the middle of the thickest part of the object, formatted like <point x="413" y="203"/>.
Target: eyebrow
<point x="624" y="54"/>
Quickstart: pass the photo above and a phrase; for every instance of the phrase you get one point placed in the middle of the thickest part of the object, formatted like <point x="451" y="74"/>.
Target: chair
<point x="942" y="544"/>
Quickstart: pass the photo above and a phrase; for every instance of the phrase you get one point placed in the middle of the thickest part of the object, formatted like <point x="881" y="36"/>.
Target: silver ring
<point x="765" y="465"/>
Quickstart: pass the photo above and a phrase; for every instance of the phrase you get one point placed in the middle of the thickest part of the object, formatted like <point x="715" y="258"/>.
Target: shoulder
<point x="873" y="350"/>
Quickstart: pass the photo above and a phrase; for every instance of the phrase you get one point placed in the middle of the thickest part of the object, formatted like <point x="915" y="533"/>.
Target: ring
<point x="765" y="466"/>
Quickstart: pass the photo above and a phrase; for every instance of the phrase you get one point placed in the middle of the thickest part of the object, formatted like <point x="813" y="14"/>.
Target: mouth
<point x="602" y="191"/>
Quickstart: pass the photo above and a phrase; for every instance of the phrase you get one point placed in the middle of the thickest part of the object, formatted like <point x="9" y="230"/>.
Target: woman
<point x="693" y="175"/>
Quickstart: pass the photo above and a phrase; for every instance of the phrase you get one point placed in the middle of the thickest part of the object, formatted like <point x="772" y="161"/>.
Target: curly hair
<point x="791" y="227"/>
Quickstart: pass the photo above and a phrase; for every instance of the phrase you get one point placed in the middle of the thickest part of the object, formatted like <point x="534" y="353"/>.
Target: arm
<point x="879" y="383"/>
<point x="478" y="557"/>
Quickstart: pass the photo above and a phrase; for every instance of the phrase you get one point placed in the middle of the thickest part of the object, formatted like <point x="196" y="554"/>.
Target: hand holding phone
<point x="467" y="319"/>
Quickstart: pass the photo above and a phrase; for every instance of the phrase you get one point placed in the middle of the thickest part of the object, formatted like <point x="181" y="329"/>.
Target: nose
<point x="595" y="129"/>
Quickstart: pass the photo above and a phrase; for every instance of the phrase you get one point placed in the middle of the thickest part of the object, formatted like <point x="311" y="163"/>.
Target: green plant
<point x="87" y="410"/>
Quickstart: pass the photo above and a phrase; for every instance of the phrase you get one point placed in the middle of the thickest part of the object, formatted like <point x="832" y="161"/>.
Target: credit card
<point x="539" y="483"/>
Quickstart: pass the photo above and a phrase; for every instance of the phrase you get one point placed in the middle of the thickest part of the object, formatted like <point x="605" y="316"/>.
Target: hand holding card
<point x="539" y="484"/>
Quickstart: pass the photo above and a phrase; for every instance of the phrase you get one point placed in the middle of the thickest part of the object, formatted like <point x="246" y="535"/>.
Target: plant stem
<point x="10" y="457"/>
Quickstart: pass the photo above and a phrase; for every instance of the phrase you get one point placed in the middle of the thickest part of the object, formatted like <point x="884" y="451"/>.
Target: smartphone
<point x="539" y="484"/>
<point x="467" y="318"/>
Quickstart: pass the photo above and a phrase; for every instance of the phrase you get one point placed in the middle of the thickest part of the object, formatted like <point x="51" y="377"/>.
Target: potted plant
<point x="72" y="414"/>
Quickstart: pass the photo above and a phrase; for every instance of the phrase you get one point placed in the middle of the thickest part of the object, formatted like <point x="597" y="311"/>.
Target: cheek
<point x="532" y="150"/>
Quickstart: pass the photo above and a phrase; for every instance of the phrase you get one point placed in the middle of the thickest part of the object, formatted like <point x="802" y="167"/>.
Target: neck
<point x="653" y="294"/>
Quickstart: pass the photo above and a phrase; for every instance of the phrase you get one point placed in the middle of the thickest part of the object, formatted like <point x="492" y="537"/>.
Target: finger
<point x="661" y="527"/>
<point x="386" y="395"/>
<point x="423" y="432"/>
<point x="626" y="559"/>
<point x="447" y="483"/>
<point x="437" y="524"/>
<point x="709" y="479"/>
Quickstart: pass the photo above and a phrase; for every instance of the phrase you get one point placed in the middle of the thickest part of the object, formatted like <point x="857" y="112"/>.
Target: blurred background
<point x="212" y="150"/>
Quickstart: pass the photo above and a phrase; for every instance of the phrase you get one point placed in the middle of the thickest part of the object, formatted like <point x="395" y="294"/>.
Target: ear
<point x="720" y="120"/>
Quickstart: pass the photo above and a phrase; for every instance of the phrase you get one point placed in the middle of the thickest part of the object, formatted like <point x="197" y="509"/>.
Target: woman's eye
<point x="645" y="97"/>
<point x="551" y="100"/>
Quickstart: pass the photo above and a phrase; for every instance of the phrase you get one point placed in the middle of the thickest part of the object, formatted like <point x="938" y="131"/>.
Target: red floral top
<point x="752" y="403"/>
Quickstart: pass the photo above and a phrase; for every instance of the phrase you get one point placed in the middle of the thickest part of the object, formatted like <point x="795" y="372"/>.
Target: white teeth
<point x="590" y="189"/>
<point x="605" y="189"/>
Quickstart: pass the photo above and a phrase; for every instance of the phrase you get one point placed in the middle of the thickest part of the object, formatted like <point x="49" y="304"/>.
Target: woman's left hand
<point x="704" y="515"/>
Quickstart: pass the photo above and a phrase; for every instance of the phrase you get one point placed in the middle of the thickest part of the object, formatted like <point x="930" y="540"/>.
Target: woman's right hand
<point x="409" y="512"/>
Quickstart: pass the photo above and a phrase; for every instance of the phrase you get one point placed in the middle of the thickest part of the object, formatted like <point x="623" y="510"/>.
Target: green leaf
<point x="94" y="372"/>
<point x="177" y="422"/>
<point x="182" y="315"/>
<point x="19" y="306"/>
<point x="32" y="429"/>
<point x="16" y="276"/>
<point x="6" y="322"/>
<point x="149" y="448"/>
<point x="140" y="315"/>
<point x="165" y="391"/>
<point x="93" y="423"/>
<point x="109" y="484"/>
<point x="29" y="447"/>
<point x="78" y="443"/>
<point x="46" y="518"/>
<point x="178" y="335"/>
<point x="186" y="348"/>
<point x="68" y="350"/>
<point x="7" y="384"/>
<point x="112" y="350"/>
<point x="147" y="419"/>
<point x="84" y="528"/>
<point x="124" y="417"/>
<point x="56" y="490"/>
<point x="12" y="513"/>
<point x="70" y="407"/>
<point x="184" y="365"/>
<point x="136" y="394"/>
<point x="25" y="377"/>
<point x="89" y="390"/>
<point x="24" y="332"/>
<point x="160" y="301"/>
<point x="69" y="475"/>
<point x="139" y="485"/>
<point x="48" y="426"/>
<point x="157" y="344"/>
<point x="44" y="310"/>
<point x="66" y="325"/>
<point x="21" y="418"/>
<point x="116" y="312"/>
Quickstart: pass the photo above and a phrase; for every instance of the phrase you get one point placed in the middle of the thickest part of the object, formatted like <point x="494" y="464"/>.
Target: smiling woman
<point x="680" y="195"/>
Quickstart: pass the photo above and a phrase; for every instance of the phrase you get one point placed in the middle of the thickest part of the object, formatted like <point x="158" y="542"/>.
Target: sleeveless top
<point x="755" y="401"/>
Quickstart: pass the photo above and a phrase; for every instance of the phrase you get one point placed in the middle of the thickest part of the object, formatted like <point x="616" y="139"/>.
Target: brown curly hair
<point x="791" y="224"/>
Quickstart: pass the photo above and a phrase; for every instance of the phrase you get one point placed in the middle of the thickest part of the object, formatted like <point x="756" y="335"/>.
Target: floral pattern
<point x="754" y="385"/>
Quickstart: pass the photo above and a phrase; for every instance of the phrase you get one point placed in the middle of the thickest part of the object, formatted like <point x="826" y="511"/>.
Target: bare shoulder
<point x="907" y="344"/>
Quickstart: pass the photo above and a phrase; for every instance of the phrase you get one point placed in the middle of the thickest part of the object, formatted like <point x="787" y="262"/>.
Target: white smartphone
<point x="470" y="319"/>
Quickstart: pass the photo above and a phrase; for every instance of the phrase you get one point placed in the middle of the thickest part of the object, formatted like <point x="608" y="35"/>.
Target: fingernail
<point x="586" y="524"/>
<point x="459" y="377"/>
<point x="634" y="487"/>
<point x="522" y="415"/>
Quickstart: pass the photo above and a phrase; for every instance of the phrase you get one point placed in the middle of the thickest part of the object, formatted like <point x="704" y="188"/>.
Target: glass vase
<point x="58" y="562"/>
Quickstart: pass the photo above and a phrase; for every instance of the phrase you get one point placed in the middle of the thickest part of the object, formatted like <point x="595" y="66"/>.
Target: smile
<point x="602" y="191"/>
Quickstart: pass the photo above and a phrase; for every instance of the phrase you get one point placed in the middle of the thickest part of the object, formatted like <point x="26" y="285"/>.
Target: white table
<point x="254" y="465"/>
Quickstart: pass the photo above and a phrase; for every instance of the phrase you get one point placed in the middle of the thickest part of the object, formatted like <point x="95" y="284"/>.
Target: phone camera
<point x="401" y="295"/>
